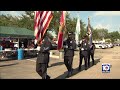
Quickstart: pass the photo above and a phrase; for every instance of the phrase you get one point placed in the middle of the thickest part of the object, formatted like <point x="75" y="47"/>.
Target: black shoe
<point x="72" y="71"/>
<point x="93" y="64"/>
<point x="79" y="69"/>
<point x="48" y="66"/>
<point x="86" y="68"/>
<point x="69" y="74"/>
<point x="47" y="77"/>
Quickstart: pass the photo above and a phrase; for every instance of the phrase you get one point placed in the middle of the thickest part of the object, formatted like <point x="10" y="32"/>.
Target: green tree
<point x="114" y="36"/>
<point x="54" y="25"/>
<point x="95" y="34"/>
<point x="27" y="20"/>
<point x="99" y="34"/>
<point x="70" y="22"/>
<point x="8" y="20"/>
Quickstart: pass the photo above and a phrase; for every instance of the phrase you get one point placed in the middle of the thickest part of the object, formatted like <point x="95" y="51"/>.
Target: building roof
<point x="16" y="32"/>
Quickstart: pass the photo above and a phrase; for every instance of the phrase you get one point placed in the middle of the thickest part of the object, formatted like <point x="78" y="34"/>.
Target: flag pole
<point x="80" y="29"/>
<point x="78" y="32"/>
<point x="65" y="29"/>
<point x="88" y="27"/>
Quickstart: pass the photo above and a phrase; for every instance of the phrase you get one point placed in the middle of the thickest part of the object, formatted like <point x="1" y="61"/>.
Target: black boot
<point x="79" y="68"/>
<point x="69" y="74"/>
<point x="93" y="63"/>
<point x="48" y="66"/>
<point x="47" y="77"/>
<point x="86" y="68"/>
<point x="88" y="65"/>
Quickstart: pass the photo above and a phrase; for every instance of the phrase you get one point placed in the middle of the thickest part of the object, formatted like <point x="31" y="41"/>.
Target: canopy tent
<point x="16" y="32"/>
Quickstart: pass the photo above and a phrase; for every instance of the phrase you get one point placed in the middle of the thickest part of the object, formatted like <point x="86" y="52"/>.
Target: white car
<point x="100" y="46"/>
<point x="110" y="45"/>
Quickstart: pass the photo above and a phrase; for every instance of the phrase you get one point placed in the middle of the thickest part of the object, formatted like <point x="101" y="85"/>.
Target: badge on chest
<point x="70" y="41"/>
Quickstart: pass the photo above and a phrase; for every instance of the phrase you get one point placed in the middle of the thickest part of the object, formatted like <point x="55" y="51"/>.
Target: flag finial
<point x="88" y="17"/>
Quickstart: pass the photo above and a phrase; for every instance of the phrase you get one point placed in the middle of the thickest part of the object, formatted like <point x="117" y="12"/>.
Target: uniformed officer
<point x="84" y="47"/>
<point x="69" y="46"/>
<point x="43" y="58"/>
<point x="91" y="53"/>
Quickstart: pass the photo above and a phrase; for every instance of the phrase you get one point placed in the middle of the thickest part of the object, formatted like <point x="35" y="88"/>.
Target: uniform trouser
<point x="85" y="59"/>
<point x="41" y="69"/>
<point x="48" y="61"/>
<point x="68" y="62"/>
<point x="92" y="56"/>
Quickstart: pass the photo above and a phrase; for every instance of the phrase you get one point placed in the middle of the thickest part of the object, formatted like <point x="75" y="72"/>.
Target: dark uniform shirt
<point x="84" y="48"/>
<point x="69" y="46"/>
<point x="43" y="56"/>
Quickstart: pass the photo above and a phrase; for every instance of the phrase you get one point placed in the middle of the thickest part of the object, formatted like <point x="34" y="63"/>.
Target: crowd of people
<point x="13" y="44"/>
<point x="86" y="50"/>
<point x="7" y="44"/>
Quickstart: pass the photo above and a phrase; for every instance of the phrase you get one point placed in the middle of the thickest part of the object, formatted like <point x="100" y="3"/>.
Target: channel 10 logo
<point x="105" y="68"/>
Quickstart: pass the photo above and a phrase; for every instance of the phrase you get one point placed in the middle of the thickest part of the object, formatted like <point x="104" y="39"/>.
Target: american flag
<point x="42" y="20"/>
<point x="89" y="32"/>
<point x="61" y="27"/>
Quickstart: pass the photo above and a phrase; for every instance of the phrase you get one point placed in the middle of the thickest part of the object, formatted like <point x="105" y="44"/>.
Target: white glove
<point x="35" y="41"/>
<point x="65" y="46"/>
<point x="82" y="49"/>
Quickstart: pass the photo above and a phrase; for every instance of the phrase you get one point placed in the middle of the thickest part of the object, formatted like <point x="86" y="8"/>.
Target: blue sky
<point x="99" y="19"/>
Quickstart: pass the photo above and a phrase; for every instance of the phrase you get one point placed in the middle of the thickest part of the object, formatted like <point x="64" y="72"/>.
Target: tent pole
<point x="18" y="43"/>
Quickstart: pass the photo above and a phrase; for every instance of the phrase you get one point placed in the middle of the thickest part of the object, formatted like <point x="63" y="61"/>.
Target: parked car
<point x="100" y="46"/>
<point x="110" y="45"/>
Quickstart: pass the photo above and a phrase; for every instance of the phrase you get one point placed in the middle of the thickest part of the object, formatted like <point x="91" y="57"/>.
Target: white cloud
<point x="13" y="13"/>
<point x="107" y="13"/>
<point x="99" y="26"/>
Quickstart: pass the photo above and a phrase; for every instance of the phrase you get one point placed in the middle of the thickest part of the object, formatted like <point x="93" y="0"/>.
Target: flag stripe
<point x="60" y="33"/>
<point x="44" y="25"/>
<point x="43" y="17"/>
<point x="45" y="20"/>
<point x="45" y="28"/>
<point x="60" y="40"/>
<point x="42" y="21"/>
<point x="36" y="22"/>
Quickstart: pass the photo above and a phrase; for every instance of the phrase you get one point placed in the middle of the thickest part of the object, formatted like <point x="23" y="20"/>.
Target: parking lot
<point x="25" y="69"/>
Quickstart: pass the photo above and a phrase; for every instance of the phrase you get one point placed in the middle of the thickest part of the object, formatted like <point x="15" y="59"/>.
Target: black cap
<point x="70" y="33"/>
